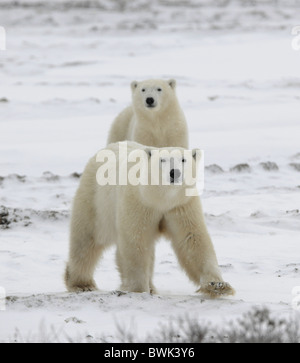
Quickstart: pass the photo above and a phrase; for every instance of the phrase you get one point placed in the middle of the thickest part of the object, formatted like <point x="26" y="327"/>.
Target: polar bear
<point x="155" y="117"/>
<point x="134" y="212"/>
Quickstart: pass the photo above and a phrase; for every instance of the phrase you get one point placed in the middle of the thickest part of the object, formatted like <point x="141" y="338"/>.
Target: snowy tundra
<point x="66" y="75"/>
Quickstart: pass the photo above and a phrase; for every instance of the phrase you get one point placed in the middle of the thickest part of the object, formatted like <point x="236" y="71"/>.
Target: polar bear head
<point x="171" y="176"/>
<point x="161" y="178"/>
<point x="153" y="95"/>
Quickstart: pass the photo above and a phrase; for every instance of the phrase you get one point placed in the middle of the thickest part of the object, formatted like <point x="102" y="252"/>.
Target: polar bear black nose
<point x="175" y="173"/>
<point x="149" y="101"/>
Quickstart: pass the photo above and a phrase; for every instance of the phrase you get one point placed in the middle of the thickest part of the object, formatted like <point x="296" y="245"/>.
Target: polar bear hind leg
<point x="79" y="271"/>
<point x="84" y="251"/>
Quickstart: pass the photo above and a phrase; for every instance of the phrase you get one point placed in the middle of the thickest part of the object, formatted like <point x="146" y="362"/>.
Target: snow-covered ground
<point x="64" y="77"/>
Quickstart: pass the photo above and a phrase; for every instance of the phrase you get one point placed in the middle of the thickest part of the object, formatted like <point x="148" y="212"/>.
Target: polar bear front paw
<point x="217" y="289"/>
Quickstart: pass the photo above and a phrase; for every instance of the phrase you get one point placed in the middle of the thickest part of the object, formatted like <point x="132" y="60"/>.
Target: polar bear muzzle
<point x="150" y="102"/>
<point x="175" y="174"/>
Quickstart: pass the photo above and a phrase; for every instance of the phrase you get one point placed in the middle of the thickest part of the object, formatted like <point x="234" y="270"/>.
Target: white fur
<point x="162" y="126"/>
<point x="134" y="217"/>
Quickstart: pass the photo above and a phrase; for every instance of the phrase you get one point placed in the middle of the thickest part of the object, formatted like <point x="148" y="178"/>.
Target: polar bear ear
<point x="148" y="152"/>
<point x="196" y="154"/>
<point x="134" y="85"/>
<point x="172" y="83"/>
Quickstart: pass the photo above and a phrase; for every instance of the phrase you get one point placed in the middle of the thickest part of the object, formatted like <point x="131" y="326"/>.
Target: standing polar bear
<point x="155" y="117"/>
<point x="131" y="204"/>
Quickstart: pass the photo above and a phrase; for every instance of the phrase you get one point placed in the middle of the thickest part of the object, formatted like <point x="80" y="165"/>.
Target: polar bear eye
<point x="184" y="160"/>
<point x="143" y="90"/>
<point x="159" y="89"/>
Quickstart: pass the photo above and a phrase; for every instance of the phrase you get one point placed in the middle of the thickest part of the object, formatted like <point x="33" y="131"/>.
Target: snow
<point x="64" y="77"/>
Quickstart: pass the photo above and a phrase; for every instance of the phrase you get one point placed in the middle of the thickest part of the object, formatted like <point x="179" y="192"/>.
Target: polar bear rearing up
<point x="155" y="117"/>
<point x="134" y="216"/>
